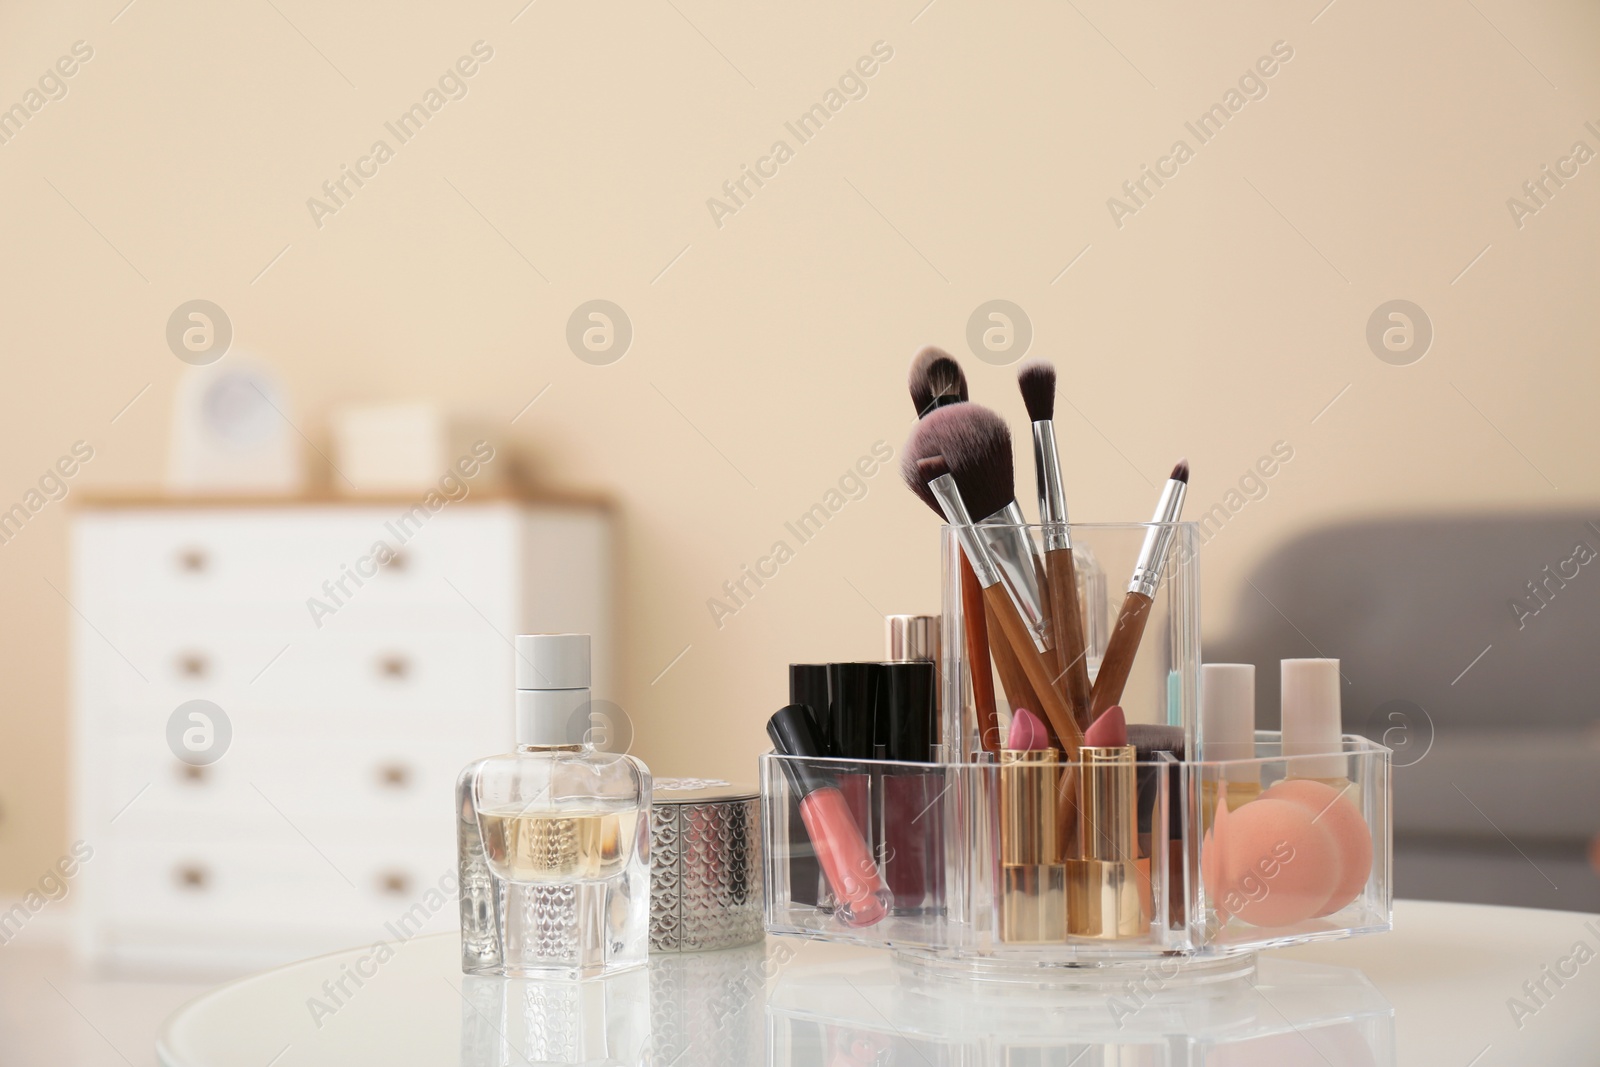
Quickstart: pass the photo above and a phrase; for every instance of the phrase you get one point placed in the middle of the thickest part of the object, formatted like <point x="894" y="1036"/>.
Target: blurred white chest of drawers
<point x="329" y="816"/>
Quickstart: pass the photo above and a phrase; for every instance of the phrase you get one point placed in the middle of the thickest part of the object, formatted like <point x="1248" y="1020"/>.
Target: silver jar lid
<point x="700" y="791"/>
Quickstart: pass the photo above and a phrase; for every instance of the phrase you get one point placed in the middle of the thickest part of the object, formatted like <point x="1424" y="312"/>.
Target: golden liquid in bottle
<point x="557" y="846"/>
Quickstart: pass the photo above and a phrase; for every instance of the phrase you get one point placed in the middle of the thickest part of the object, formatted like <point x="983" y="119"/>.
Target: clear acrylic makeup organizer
<point x="1187" y="929"/>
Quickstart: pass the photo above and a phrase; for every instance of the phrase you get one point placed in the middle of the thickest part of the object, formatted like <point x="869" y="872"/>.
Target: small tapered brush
<point x="1037" y="381"/>
<point x="1126" y="635"/>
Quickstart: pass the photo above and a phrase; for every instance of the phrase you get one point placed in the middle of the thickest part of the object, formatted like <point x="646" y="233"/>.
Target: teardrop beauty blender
<point x="1352" y="838"/>
<point x="1276" y="867"/>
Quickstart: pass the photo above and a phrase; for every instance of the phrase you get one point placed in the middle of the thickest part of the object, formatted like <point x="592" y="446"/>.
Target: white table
<point x="1435" y="991"/>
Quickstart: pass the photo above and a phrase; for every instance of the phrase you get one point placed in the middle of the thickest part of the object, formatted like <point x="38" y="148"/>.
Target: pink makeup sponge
<point x="1352" y="838"/>
<point x="1270" y="864"/>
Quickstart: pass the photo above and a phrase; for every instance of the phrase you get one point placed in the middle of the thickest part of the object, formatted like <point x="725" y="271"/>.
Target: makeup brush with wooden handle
<point x="1037" y="381"/>
<point x="1125" y="636"/>
<point x="935" y="379"/>
<point x="941" y="483"/>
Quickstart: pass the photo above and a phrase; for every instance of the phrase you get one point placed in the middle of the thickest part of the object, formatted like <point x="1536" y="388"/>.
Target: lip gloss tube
<point x="808" y="685"/>
<point x="860" y="897"/>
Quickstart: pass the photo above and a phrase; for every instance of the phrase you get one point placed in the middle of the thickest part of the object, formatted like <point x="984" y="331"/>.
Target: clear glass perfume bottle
<point x="554" y="838"/>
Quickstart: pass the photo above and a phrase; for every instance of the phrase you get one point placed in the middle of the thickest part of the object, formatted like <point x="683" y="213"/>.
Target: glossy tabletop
<point x="1452" y="984"/>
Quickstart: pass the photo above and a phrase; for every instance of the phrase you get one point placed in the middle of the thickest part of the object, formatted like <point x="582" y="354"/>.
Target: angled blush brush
<point x="1126" y="635"/>
<point x="940" y="483"/>
<point x="1037" y="381"/>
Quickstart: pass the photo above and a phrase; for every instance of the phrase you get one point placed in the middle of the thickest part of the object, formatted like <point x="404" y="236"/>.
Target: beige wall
<point x="1220" y="318"/>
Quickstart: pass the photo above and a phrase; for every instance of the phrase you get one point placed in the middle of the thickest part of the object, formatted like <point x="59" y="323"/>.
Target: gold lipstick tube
<point x="1103" y="899"/>
<point x="1033" y="880"/>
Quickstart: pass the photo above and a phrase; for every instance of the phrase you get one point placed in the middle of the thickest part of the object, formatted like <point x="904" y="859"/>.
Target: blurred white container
<point x="384" y="448"/>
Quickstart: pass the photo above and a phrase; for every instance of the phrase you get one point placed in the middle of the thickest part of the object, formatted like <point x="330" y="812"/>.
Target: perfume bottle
<point x="554" y="838"/>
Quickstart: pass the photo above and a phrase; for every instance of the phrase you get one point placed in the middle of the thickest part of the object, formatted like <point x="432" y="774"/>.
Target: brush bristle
<point x="1180" y="473"/>
<point x="935" y="376"/>
<point x="918" y="474"/>
<point x="1149" y="738"/>
<point x="1037" y="380"/>
<point x="976" y="444"/>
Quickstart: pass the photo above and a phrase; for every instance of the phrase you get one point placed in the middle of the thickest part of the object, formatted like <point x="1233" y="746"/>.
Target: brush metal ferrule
<point x="945" y="492"/>
<point x="1158" y="539"/>
<point x="1052" y="493"/>
<point x="1103" y="897"/>
<point x="1033" y="880"/>
<point x="1006" y="535"/>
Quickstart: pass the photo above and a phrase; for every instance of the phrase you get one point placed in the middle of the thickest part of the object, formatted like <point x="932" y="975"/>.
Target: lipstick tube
<point x="1033" y="880"/>
<point x="1103" y="897"/>
<point x="909" y="816"/>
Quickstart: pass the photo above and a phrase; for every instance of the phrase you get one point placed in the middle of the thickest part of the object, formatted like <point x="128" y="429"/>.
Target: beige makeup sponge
<point x="1269" y="864"/>
<point x="1352" y="838"/>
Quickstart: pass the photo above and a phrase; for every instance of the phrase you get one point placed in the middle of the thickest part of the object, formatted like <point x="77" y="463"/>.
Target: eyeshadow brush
<point x="1037" y="381"/>
<point x="1135" y="613"/>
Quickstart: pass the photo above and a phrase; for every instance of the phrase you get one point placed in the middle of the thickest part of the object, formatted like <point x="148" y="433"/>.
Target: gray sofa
<point x="1471" y="645"/>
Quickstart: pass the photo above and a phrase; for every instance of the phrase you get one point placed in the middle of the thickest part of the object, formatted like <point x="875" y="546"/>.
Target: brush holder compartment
<point x="1311" y="865"/>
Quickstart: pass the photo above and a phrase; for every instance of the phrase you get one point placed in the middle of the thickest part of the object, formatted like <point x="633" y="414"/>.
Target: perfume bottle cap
<point x="552" y="661"/>
<point x="1311" y="724"/>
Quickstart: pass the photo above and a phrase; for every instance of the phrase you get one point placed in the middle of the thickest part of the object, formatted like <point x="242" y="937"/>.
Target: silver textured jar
<point x="705" y="865"/>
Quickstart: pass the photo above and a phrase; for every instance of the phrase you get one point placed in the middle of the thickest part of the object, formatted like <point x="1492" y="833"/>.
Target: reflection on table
<point x="764" y="1004"/>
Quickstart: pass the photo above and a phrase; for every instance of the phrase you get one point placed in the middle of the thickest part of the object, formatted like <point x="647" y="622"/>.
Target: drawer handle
<point x="394" y="775"/>
<point x="191" y="876"/>
<point x="395" y="883"/>
<point x="194" y="665"/>
<point x="188" y="772"/>
<point x="193" y="560"/>
<point x="395" y="666"/>
<point x="397" y="561"/>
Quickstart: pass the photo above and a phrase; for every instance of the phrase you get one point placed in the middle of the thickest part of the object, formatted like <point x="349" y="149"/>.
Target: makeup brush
<point x="975" y="612"/>
<point x="1124" y="643"/>
<point x="977" y="445"/>
<point x="935" y="380"/>
<point x="1148" y="738"/>
<point x="940" y="482"/>
<point x="1037" y="381"/>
